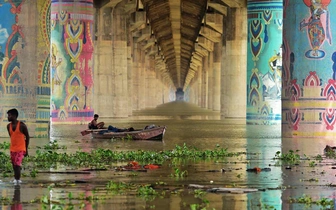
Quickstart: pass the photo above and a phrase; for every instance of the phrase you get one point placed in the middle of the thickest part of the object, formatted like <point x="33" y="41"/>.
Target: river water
<point x="196" y="127"/>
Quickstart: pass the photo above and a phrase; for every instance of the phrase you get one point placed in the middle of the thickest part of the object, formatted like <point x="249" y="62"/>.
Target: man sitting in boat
<point x="94" y="123"/>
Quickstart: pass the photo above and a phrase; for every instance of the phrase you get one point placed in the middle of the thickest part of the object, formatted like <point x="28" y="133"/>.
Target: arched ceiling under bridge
<point x="184" y="31"/>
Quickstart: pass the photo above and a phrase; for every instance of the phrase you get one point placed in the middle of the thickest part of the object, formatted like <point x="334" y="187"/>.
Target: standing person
<point x="19" y="141"/>
<point x="94" y="123"/>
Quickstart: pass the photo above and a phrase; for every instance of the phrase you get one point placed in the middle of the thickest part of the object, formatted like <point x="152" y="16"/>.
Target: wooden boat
<point x="155" y="133"/>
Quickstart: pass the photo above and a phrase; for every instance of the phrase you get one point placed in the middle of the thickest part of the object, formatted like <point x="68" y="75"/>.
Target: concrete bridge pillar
<point x="309" y="70"/>
<point x="194" y="95"/>
<point x="217" y="54"/>
<point x="150" y="83"/>
<point x="233" y="68"/>
<point x="119" y="65"/>
<point x="210" y="81"/>
<point x="159" y="87"/>
<point x="199" y="85"/>
<point x="204" y="85"/>
<point x="24" y="64"/>
<point x="167" y="96"/>
<point x="142" y="80"/>
<point x="71" y="61"/>
<point x="136" y="76"/>
<point x="129" y="73"/>
<point x="264" y="64"/>
<point x="111" y="76"/>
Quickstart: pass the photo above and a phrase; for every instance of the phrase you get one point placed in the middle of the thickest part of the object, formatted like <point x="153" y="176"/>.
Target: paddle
<point x="88" y="131"/>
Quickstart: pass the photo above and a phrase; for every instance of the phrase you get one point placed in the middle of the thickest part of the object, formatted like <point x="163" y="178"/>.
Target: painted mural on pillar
<point x="309" y="80"/>
<point x="23" y="83"/>
<point x="318" y="27"/>
<point x="71" y="61"/>
<point x="264" y="62"/>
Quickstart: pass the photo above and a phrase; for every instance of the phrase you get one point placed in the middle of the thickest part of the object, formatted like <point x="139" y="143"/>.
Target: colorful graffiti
<point x="71" y="61"/>
<point x="264" y="62"/>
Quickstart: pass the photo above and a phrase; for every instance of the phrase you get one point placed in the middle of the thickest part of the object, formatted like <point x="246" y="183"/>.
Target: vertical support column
<point x="193" y="93"/>
<point x="119" y="65"/>
<point x="146" y="84"/>
<point x="158" y="87"/>
<point x="233" y="68"/>
<point x="151" y="82"/>
<point x="24" y="64"/>
<point x="199" y="85"/>
<point x="210" y="81"/>
<point x="264" y="56"/>
<point x="167" y="96"/>
<point x="71" y="61"/>
<point x="204" y="86"/>
<point x="309" y="72"/>
<point x="136" y="76"/>
<point x="216" y="76"/>
<point x="142" y="80"/>
<point x="103" y="63"/>
<point x="197" y="94"/>
<point x="129" y="72"/>
<point x="27" y="59"/>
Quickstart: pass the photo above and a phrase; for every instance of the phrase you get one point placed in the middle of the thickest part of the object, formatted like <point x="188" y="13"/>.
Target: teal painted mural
<point x="71" y="61"/>
<point x="309" y="76"/>
<point x="264" y="62"/>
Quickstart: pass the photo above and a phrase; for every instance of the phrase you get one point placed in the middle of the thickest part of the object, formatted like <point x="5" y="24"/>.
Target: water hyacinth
<point x="49" y="156"/>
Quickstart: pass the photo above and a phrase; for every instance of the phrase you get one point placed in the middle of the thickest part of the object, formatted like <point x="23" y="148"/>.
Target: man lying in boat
<point x="111" y="128"/>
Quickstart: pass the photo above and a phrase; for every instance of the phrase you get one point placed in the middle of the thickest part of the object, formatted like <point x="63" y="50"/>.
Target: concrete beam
<point x="210" y="34"/>
<point x="140" y="22"/>
<point x="150" y="43"/>
<point x="143" y="37"/>
<point x="145" y="34"/>
<point x="235" y="3"/>
<point x="215" y="21"/>
<point x="137" y="26"/>
<point x="200" y="50"/>
<point x="112" y="3"/>
<point x="219" y="8"/>
<point x="195" y="62"/>
<point x="130" y="8"/>
<point x="206" y="44"/>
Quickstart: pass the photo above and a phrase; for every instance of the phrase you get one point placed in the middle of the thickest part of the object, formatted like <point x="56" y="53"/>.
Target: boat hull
<point x="155" y="134"/>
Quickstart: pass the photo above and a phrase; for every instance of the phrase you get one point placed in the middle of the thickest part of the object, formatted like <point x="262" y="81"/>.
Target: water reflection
<point x="195" y="128"/>
<point x="16" y="204"/>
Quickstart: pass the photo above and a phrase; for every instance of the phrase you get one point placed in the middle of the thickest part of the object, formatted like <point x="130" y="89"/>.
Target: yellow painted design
<point x="308" y="104"/>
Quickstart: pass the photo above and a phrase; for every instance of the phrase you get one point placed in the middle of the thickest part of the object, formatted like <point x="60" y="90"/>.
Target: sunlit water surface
<point x="195" y="127"/>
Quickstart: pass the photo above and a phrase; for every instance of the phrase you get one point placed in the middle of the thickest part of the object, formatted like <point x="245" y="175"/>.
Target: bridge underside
<point x="62" y="62"/>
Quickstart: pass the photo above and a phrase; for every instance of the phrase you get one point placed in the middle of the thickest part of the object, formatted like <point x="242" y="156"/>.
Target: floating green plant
<point x="179" y="173"/>
<point x="291" y="157"/>
<point x="307" y="200"/>
<point x="52" y="146"/>
<point x="199" y="193"/>
<point x="267" y="207"/>
<point x="4" y="145"/>
<point x="312" y="164"/>
<point x="147" y="192"/>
